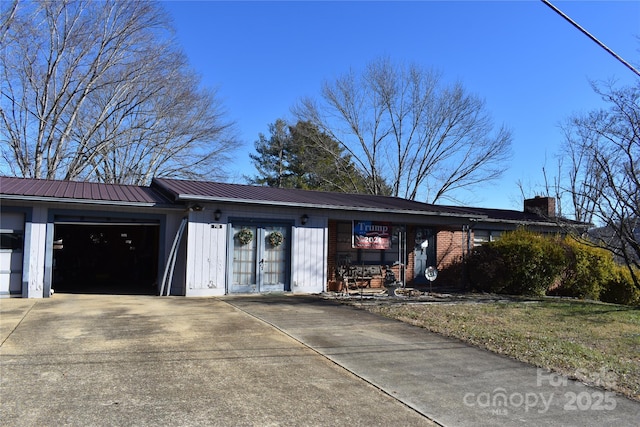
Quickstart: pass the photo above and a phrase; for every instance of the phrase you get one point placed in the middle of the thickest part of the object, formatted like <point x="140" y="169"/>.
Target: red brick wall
<point x="332" y="246"/>
<point x="411" y="259"/>
<point x="451" y="246"/>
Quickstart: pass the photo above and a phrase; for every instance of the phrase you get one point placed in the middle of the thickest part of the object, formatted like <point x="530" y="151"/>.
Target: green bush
<point x="485" y="269"/>
<point x="586" y="272"/>
<point x="526" y="263"/>
<point x="520" y="263"/>
<point x="620" y="288"/>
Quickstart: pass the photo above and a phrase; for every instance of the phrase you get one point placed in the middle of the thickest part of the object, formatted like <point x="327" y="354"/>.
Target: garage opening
<point x="106" y="258"/>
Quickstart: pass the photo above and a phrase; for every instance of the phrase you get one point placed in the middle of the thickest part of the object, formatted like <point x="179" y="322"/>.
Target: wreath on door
<point x="276" y="238"/>
<point x="245" y="236"/>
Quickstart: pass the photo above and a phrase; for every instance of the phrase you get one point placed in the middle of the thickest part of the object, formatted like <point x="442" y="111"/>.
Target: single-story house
<point x="194" y="238"/>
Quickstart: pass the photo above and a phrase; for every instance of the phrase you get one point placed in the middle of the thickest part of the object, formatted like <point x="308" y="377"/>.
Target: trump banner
<point x="371" y="235"/>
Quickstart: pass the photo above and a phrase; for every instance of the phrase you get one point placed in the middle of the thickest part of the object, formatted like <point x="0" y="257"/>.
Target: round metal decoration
<point x="431" y="273"/>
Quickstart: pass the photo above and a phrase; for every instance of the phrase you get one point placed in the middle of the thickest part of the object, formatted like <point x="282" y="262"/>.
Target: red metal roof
<point x="27" y="188"/>
<point x="165" y="191"/>
<point x="213" y="191"/>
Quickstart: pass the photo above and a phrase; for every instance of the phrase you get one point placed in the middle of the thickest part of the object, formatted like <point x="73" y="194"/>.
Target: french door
<point x="260" y="257"/>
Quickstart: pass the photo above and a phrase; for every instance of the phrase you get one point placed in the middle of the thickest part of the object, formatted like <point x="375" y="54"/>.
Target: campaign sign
<point x="371" y="235"/>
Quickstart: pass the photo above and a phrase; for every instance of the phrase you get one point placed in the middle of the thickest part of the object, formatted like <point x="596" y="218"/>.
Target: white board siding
<point x="309" y="256"/>
<point x="207" y="251"/>
<point x="206" y="255"/>
<point x="35" y="244"/>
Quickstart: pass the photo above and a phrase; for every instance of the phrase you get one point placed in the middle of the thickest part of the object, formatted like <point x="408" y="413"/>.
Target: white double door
<point x="261" y="255"/>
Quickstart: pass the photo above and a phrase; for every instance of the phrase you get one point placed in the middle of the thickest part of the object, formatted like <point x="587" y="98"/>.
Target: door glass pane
<point x="244" y="255"/>
<point x="274" y="268"/>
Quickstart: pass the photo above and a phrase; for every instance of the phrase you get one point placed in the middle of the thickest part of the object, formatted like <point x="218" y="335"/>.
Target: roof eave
<point x="200" y="198"/>
<point x="532" y="222"/>
<point x="83" y="201"/>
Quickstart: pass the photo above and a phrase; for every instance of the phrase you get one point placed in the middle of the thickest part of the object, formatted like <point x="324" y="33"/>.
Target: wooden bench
<point x="358" y="276"/>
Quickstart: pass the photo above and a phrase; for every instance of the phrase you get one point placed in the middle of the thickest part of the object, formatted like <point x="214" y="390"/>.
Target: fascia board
<point x="199" y="198"/>
<point x="86" y="201"/>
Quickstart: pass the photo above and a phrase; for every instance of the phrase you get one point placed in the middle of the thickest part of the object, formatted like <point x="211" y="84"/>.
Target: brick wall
<point x="332" y="246"/>
<point x="451" y="246"/>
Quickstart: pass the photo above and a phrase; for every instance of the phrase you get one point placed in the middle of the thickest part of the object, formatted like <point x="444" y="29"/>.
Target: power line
<point x="602" y="45"/>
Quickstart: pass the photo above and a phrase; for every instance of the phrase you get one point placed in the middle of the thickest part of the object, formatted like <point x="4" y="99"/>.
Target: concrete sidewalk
<point x="93" y="360"/>
<point x="446" y="380"/>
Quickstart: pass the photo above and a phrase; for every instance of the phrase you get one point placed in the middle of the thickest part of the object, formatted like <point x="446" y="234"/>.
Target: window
<point x="484" y="236"/>
<point x="11" y="240"/>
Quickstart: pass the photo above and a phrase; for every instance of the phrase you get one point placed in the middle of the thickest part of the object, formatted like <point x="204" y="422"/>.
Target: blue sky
<point x="530" y="66"/>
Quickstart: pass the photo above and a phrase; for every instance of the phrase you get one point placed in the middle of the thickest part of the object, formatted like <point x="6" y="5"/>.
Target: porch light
<point x="304" y="218"/>
<point x="217" y="214"/>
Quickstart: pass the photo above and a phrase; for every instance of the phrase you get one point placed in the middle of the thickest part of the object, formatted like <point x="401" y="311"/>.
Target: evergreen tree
<point x="302" y="157"/>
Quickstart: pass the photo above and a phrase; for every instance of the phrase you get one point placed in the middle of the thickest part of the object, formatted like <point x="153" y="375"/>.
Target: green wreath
<point x="276" y="238"/>
<point x="245" y="236"/>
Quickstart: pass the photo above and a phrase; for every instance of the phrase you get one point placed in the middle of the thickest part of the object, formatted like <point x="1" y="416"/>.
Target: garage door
<point x="11" y="253"/>
<point x="107" y="258"/>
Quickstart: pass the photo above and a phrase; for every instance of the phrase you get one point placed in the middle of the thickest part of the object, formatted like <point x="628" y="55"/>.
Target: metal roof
<point x="183" y="190"/>
<point x="72" y="191"/>
<point x="165" y="192"/>
<point x="201" y="191"/>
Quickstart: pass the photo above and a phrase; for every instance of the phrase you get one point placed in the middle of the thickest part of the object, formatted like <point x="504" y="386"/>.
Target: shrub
<point x="587" y="270"/>
<point x="485" y="269"/>
<point x="526" y="263"/>
<point x="619" y="289"/>
<point x="520" y="263"/>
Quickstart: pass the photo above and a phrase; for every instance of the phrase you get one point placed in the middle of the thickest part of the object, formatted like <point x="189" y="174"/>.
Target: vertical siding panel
<point x="206" y="252"/>
<point x="309" y="257"/>
<point x="217" y="257"/>
<point x="203" y="253"/>
<point x="37" y="230"/>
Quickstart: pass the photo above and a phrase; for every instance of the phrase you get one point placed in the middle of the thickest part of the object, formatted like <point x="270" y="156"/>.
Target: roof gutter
<point x="199" y="198"/>
<point x="525" y="222"/>
<point x="83" y="201"/>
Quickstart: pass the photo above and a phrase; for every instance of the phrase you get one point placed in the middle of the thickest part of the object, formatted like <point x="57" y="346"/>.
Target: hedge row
<point x="527" y="263"/>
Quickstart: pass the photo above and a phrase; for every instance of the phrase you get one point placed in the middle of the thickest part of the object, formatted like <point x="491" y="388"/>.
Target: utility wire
<point x="602" y="45"/>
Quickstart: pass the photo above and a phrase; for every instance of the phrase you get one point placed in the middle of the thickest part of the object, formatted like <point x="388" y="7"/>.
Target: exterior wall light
<point x="304" y="218"/>
<point x="217" y="214"/>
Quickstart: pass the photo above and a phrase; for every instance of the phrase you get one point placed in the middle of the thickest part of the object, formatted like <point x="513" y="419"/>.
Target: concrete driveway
<point x="265" y="360"/>
<point x="452" y="383"/>
<point x="95" y="360"/>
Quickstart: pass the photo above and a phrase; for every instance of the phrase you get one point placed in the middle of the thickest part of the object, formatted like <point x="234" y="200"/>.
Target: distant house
<point x="195" y="238"/>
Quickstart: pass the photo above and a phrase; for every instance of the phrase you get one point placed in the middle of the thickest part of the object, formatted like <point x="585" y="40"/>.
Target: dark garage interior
<point x="106" y="258"/>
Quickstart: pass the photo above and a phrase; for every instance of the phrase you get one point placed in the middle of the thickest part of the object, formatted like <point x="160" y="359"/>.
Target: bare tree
<point x="7" y="13"/>
<point x="603" y="148"/>
<point x="99" y="91"/>
<point x="403" y="128"/>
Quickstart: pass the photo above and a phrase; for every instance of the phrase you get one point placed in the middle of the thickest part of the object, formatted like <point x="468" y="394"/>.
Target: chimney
<point x="543" y="206"/>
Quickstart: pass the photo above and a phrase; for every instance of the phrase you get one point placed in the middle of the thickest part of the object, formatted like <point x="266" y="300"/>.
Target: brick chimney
<point x="543" y="206"/>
